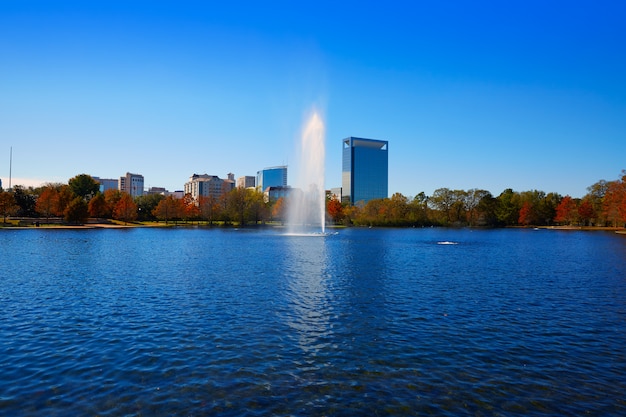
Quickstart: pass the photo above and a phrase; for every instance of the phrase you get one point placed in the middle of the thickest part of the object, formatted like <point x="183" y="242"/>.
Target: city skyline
<point x="472" y="95"/>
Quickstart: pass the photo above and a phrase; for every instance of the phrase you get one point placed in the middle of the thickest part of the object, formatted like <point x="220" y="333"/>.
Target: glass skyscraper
<point x="272" y="177"/>
<point x="365" y="170"/>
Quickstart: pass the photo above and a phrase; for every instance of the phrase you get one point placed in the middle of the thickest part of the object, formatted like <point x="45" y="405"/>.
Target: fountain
<point x="306" y="210"/>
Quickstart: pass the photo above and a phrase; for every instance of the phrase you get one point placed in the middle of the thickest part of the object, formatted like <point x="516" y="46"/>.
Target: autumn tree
<point x="98" y="207"/>
<point x="335" y="209"/>
<point x="614" y="203"/>
<point x="566" y="211"/>
<point x="125" y="209"/>
<point x="586" y="213"/>
<point x="169" y="208"/>
<point x="190" y="209"/>
<point x="279" y="210"/>
<point x="209" y="208"/>
<point x="48" y="202"/>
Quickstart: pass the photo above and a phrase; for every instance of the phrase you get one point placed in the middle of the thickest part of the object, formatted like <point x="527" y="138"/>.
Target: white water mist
<point x="307" y="203"/>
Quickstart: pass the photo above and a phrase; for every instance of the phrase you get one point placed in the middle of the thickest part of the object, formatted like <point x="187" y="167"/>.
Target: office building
<point x="246" y="182"/>
<point x="271" y="177"/>
<point x="132" y="184"/>
<point x="107" y="184"/>
<point x="364" y="170"/>
<point x="208" y="186"/>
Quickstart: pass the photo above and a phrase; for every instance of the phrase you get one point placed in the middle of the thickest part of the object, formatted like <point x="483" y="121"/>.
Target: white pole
<point x="10" y="165"/>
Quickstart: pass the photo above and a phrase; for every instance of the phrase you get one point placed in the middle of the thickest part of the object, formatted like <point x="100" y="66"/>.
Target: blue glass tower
<point x="365" y="170"/>
<point x="272" y="177"/>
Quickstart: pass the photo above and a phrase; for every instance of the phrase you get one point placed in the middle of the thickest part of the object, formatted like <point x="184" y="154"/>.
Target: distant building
<point x="132" y="184"/>
<point x="157" y="190"/>
<point x="336" y="193"/>
<point x="364" y="175"/>
<point x="208" y="185"/>
<point x="274" y="193"/>
<point x="271" y="177"/>
<point x="246" y="182"/>
<point x="107" y="184"/>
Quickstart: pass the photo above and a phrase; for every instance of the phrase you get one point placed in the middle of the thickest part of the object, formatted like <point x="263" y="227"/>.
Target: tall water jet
<point x="307" y="203"/>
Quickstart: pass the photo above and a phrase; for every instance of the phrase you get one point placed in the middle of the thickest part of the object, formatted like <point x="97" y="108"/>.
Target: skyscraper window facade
<point x="272" y="177"/>
<point x="365" y="170"/>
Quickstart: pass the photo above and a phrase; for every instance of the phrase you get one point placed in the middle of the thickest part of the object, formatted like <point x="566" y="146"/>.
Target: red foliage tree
<point x="526" y="214"/>
<point x="566" y="211"/>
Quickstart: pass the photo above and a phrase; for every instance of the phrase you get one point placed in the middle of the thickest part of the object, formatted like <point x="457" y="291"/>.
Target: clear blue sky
<point x="492" y="95"/>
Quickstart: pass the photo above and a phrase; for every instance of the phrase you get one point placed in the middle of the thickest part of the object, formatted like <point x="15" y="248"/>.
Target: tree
<point x="8" y="207"/>
<point x="398" y="209"/>
<point x="98" y="207"/>
<point x="25" y="200"/>
<point x="256" y="209"/>
<point x="279" y="210"/>
<point x="64" y="199"/>
<point x="567" y="211"/>
<point x="442" y="200"/>
<point x="526" y="214"/>
<point x="335" y="209"/>
<point x="508" y="207"/>
<point x="84" y="186"/>
<point x="614" y="203"/>
<point x="586" y="212"/>
<point x="209" y="208"/>
<point x="472" y="200"/>
<point x="146" y="205"/>
<point x="125" y="209"/>
<point x="48" y="201"/>
<point x="169" y="208"/>
<point x="236" y="205"/>
<point x="76" y="211"/>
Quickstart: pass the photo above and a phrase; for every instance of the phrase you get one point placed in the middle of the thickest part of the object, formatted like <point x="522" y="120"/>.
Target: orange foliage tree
<point x="125" y="209"/>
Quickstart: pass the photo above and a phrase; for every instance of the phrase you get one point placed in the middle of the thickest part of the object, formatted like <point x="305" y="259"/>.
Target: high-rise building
<point x="364" y="175"/>
<point x="271" y="177"/>
<point x="132" y="184"/>
<point x="208" y="186"/>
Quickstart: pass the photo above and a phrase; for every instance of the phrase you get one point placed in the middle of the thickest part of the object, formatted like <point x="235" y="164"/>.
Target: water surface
<point x="364" y="322"/>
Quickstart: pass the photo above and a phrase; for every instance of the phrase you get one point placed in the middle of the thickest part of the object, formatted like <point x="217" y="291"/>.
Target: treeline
<point x="81" y="199"/>
<point x="604" y="205"/>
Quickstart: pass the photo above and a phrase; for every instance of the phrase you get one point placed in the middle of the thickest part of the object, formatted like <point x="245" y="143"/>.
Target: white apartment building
<point x="208" y="185"/>
<point x="132" y="184"/>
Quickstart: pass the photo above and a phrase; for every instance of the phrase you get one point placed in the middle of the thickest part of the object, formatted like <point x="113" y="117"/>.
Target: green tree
<point x="84" y="186"/>
<point x="76" y="211"/>
<point x="442" y="200"/>
<point x="146" y="205"/>
<point x="8" y="207"/>
<point x="508" y="207"/>
<point x="26" y="200"/>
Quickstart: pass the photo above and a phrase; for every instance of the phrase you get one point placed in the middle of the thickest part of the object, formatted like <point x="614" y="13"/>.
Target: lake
<point x="228" y="322"/>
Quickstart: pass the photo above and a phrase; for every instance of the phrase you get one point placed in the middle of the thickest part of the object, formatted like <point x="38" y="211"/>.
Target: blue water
<point x="364" y="322"/>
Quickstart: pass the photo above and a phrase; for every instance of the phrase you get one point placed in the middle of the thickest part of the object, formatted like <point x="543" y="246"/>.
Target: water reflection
<point x="308" y="296"/>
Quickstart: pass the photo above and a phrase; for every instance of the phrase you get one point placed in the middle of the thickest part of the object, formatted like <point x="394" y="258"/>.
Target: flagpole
<point x="10" y="165"/>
